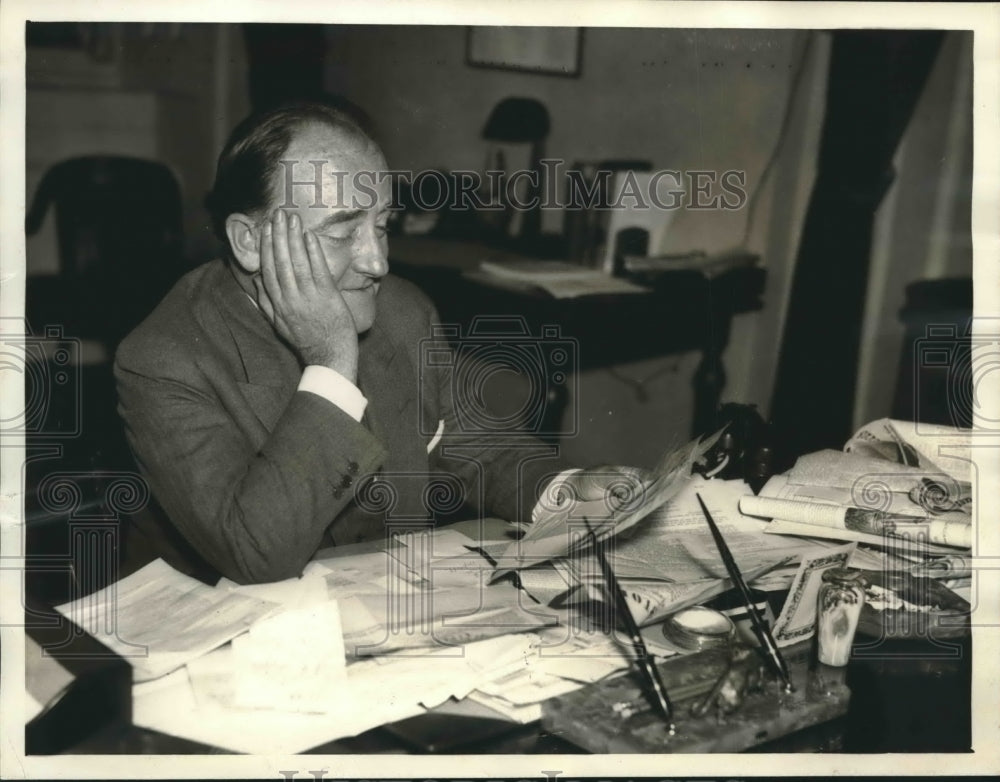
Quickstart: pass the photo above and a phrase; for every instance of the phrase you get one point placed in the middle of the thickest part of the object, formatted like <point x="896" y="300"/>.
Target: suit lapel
<point x="388" y="379"/>
<point x="270" y="368"/>
<point x="272" y="371"/>
<point x="379" y="381"/>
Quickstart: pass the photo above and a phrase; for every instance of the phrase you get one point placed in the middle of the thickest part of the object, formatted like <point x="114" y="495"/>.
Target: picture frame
<point x="552" y="51"/>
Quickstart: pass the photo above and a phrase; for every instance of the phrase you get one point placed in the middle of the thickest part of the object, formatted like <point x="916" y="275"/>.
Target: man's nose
<point x="372" y="257"/>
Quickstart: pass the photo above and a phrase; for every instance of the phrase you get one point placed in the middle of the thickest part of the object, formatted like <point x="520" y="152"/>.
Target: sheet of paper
<point x="173" y="708"/>
<point x="354" y="574"/>
<point x="561" y="280"/>
<point x="546" y="582"/>
<point x="445" y="542"/>
<point x="419" y="551"/>
<point x="522" y="715"/>
<point x="524" y="687"/>
<point x="584" y="656"/>
<point x="565" y="660"/>
<point x="651" y="601"/>
<point x="596" y="284"/>
<point x="797" y="620"/>
<point x="290" y="593"/>
<point x="158" y="619"/>
<point x="412" y="559"/>
<point x="676" y="544"/>
<point x="44" y="678"/>
<point x="423" y="617"/>
<point x="293" y="661"/>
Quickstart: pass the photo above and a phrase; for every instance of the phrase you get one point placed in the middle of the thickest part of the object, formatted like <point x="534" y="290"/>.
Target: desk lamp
<point x="518" y="121"/>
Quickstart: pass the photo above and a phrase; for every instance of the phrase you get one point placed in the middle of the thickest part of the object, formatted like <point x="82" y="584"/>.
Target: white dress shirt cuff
<point x="334" y="387"/>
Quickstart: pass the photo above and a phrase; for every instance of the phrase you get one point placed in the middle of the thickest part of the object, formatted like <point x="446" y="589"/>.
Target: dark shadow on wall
<point x="285" y="62"/>
<point x="875" y="80"/>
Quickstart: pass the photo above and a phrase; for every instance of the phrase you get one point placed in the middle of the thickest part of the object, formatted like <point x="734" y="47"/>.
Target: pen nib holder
<point x="614" y="716"/>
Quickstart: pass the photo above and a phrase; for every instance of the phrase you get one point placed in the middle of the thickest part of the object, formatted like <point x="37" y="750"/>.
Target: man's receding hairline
<point x="346" y="129"/>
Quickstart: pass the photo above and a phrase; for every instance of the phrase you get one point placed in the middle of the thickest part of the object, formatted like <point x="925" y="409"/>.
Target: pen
<point x="945" y="567"/>
<point x="652" y="675"/>
<point x="761" y="629"/>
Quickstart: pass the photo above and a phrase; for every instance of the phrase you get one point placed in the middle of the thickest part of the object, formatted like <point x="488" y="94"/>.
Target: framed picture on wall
<point x="548" y="50"/>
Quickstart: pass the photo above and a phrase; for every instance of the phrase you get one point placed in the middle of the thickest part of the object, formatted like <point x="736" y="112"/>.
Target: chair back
<point x="118" y="224"/>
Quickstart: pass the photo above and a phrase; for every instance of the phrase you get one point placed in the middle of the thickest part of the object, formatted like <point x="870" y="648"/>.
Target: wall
<point x="685" y="100"/>
<point x="169" y="92"/>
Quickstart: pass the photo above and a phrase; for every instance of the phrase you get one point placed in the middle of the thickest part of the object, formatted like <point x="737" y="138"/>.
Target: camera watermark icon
<point x="473" y="366"/>
<point x="957" y="377"/>
<point x="50" y="367"/>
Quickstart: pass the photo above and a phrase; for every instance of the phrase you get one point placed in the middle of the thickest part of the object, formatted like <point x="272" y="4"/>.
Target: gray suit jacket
<point x="256" y="475"/>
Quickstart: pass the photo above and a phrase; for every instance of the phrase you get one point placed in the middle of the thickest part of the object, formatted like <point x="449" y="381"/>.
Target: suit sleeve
<point x="503" y="473"/>
<point x="256" y="514"/>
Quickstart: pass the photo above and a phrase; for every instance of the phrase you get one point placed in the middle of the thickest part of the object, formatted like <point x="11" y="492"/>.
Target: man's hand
<point x="618" y="486"/>
<point x="297" y="293"/>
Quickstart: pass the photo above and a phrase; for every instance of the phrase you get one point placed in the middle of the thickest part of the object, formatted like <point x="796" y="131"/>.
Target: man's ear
<point x="242" y="231"/>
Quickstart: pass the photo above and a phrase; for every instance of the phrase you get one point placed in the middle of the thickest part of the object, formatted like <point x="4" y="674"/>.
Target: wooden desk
<point x="685" y="310"/>
<point x="906" y="696"/>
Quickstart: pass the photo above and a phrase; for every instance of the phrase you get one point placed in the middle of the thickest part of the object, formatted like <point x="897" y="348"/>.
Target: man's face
<point x="347" y="211"/>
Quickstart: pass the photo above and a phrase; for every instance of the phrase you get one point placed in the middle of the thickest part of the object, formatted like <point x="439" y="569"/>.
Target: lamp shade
<point x="517" y="120"/>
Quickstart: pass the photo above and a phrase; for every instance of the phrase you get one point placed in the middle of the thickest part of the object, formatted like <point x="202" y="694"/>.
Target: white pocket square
<point x="437" y="436"/>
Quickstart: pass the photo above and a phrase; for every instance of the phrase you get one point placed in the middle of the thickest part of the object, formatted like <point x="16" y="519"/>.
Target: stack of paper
<point x="561" y="280"/>
<point x="200" y="702"/>
<point x="565" y="659"/>
<point x="671" y="561"/>
<point x="422" y="610"/>
<point x="158" y="619"/>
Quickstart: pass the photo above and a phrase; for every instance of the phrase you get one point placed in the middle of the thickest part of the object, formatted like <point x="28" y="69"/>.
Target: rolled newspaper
<point x="949" y="529"/>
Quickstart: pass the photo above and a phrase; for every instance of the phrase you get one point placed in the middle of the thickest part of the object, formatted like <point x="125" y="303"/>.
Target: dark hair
<point x="248" y="162"/>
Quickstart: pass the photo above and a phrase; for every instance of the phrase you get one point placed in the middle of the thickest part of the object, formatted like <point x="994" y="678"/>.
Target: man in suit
<point x="274" y="399"/>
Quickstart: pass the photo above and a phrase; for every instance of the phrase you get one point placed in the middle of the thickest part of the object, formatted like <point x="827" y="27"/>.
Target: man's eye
<point x="381" y="230"/>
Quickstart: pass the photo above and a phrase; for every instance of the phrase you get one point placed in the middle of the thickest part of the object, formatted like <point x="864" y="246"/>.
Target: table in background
<point x="684" y="310"/>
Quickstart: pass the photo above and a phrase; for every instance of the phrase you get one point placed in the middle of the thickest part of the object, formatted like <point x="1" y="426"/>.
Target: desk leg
<point x="710" y="377"/>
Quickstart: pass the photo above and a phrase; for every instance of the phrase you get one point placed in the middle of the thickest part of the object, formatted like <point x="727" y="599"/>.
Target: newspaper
<point x="929" y="447"/>
<point x="833" y="520"/>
